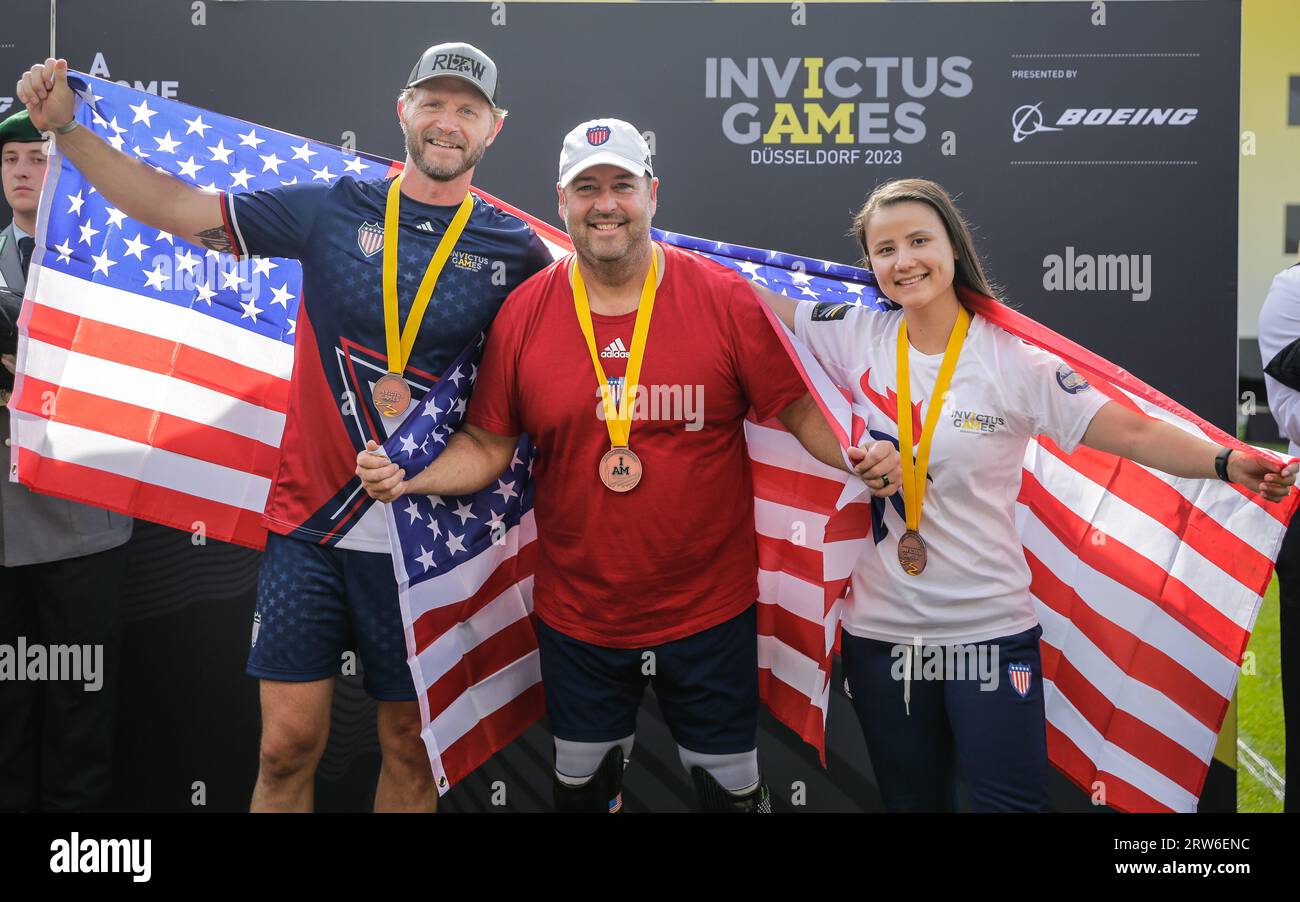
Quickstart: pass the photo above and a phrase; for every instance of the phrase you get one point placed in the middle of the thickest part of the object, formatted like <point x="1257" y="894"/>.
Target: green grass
<point x="1259" y="710"/>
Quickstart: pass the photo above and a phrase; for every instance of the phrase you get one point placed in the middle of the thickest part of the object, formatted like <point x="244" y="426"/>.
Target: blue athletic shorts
<point x="706" y="684"/>
<point x="314" y="603"/>
<point x="985" y="720"/>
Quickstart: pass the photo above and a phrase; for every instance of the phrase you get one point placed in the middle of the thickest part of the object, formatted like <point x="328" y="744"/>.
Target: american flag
<point x="464" y="566"/>
<point x="154" y="374"/>
<point x="153" y="379"/>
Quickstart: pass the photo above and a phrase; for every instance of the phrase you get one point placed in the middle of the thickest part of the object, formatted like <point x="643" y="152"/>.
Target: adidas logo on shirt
<point x="425" y="226"/>
<point x="615" y="348"/>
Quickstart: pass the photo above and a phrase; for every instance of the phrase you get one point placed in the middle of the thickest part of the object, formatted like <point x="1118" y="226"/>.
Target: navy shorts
<point x="986" y="721"/>
<point x="314" y="603"/>
<point x="706" y="684"/>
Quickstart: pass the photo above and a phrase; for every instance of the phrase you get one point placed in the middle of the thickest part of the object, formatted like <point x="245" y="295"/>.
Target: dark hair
<point x="968" y="272"/>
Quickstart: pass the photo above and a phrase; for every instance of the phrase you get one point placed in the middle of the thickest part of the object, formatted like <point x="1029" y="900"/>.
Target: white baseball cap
<point x="604" y="141"/>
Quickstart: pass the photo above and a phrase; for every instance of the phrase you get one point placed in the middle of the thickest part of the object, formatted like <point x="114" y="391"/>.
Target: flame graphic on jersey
<point x="889" y="405"/>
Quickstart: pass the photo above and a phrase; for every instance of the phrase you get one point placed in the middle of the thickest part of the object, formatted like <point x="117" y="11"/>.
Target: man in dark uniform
<point x="399" y="275"/>
<point x="63" y="564"/>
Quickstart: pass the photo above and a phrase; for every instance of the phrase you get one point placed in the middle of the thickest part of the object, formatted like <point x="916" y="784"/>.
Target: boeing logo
<point x="1028" y="119"/>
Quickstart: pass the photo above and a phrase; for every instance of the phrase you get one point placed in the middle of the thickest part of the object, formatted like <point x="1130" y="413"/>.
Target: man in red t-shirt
<point x="647" y="566"/>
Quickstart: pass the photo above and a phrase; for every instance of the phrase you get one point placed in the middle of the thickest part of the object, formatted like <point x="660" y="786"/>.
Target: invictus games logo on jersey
<point x="825" y="313"/>
<point x="472" y="262"/>
<point x="976" y="423"/>
<point x="1071" y="381"/>
<point x="597" y="135"/>
<point x="815" y="110"/>
<point x="1028" y="119"/>
<point x="370" y="238"/>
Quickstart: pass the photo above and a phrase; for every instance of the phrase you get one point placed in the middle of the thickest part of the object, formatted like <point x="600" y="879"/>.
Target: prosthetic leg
<point x="714" y="798"/>
<point x="600" y="793"/>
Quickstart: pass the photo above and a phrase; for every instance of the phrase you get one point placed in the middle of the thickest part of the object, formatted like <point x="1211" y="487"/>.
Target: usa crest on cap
<point x="597" y="135"/>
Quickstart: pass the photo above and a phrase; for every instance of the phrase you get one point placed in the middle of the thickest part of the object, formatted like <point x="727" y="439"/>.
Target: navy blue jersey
<point x="336" y="231"/>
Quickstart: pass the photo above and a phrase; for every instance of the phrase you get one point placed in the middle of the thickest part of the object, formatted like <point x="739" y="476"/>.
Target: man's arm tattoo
<point x="215" y="239"/>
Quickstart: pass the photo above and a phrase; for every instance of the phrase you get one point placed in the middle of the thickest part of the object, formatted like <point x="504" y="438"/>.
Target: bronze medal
<point x="912" y="553"/>
<point x="391" y="395"/>
<point x="620" y="469"/>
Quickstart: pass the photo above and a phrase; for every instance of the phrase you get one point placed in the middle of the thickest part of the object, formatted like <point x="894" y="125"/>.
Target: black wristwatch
<point x="1221" y="464"/>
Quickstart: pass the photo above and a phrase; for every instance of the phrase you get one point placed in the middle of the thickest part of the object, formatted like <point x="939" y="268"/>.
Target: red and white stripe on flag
<point x="190" y="432"/>
<point x="473" y="652"/>
<point x="1147" y="587"/>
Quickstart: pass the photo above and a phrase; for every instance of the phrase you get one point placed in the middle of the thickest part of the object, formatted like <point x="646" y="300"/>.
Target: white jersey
<point x="1279" y="325"/>
<point x="975" y="585"/>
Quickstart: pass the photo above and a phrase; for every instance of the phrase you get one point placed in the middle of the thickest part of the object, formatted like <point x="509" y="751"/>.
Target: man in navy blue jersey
<point x="399" y="276"/>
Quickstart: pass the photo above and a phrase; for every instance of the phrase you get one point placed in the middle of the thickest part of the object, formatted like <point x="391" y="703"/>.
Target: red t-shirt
<point x="677" y="554"/>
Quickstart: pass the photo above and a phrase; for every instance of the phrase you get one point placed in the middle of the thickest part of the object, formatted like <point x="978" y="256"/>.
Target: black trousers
<point x="56" y="736"/>
<point x="1288" y="577"/>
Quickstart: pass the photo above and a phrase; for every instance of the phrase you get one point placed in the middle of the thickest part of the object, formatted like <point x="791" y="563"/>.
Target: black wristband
<point x="1221" y="464"/>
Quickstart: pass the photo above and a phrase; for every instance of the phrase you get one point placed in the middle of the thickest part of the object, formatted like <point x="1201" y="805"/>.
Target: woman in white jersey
<point x="940" y="644"/>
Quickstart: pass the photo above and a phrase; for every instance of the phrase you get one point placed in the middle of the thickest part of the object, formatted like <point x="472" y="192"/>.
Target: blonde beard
<point x="416" y="152"/>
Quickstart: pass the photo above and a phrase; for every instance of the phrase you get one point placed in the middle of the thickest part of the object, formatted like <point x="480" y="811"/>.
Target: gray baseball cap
<point x="598" y="141"/>
<point x="463" y="61"/>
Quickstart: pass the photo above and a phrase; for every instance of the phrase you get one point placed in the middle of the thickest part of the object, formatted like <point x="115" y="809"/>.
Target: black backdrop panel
<point x="769" y="133"/>
<point x="941" y="84"/>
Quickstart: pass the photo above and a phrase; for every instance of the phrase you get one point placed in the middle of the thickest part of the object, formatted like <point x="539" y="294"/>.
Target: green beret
<point x="18" y="127"/>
